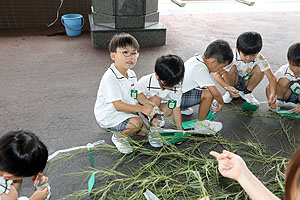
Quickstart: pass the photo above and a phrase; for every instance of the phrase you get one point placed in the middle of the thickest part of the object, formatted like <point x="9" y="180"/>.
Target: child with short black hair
<point x="288" y="77"/>
<point x="198" y="86"/>
<point x="22" y="154"/>
<point x="163" y="88"/>
<point x="247" y="70"/>
<point x="117" y="105"/>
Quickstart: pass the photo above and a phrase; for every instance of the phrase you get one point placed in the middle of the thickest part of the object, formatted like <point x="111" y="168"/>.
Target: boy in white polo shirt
<point x="198" y="86"/>
<point x="116" y="106"/>
<point x="288" y="77"/>
<point x="247" y="70"/>
<point x="163" y="87"/>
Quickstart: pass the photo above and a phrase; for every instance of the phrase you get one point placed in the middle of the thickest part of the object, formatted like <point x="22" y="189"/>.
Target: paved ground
<point x="48" y="84"/>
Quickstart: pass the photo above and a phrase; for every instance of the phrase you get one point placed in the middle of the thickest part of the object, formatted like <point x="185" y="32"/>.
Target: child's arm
<point x="17" y="184"/>
<point x="12" y="195"/>
<point x="233" y="166"/>
<point x="273" y="86"/>
<point x="232" y="90"/>
<point x="126" y="107"/>
<point x="177" y="118"/>
<point x="142" y="99"/>
<point x="39" y="178"/>
<point x="40" y="194"/>
<point x="218" y="96"/>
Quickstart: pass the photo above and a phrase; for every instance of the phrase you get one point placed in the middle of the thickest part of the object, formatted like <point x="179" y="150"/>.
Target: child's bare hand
<point x="147" y="109"/>
<point x="39" y="178"/>
<point x="273" y="106"/>
<point x="217" y="108"/>
<point x="230" y="165"/>
<point x="233" y="91"/>
<point x="272" y="100"/>
<point x="154" y="122"/>
<point x="205" y="198"/>
<point x="40" y="194"/>
<point x="297" y="110"/>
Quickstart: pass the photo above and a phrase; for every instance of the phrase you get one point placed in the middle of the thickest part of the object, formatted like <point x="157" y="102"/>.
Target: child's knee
<point x="135" y="123"/>
<point x="168" y="112"/>
<point x="283" y="83"/>
<point x="134" y="126"/>
<point x="206" y="95"/>
<point x="156" y="100"/>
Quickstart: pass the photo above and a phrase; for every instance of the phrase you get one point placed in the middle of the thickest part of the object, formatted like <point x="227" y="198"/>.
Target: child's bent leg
<point x="204" y="107"/>
<point x="231" y="77"/>
<point x="164" y="108"/>
<point x="135" y="126"/>
<point x="255" y="79"/>
<point x="283" y="91"/>
<point x="156" y="100"/>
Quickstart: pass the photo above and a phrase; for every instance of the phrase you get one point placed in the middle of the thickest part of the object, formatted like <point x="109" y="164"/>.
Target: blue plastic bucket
<point x="73" y="24"/>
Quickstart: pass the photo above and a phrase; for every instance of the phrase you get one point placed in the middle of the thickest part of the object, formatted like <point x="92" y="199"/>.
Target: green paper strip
<point x="284" y="114"/>
<point x="91" y="157"/>
<point x="91" y="181"/>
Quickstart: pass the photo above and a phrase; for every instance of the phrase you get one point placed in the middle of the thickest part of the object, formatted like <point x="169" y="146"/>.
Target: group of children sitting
<point x="176" y="86"/>
<point x="173" y="89"/>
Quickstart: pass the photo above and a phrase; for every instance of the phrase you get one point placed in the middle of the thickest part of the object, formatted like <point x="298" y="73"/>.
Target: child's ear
<point x="7" y="175"/>
<point x="112" y="55"/>
<point x="213" y="61"/>
<point x="156" y="76"/>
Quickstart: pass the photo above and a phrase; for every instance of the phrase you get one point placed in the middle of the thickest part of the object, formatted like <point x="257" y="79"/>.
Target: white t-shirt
<point x="4" y="186"/>
<point x="149" y="86"/>
<point x="113" y="87"/>
<point x="196" y="74"/>
<point x="242" y="67"/>
<point x="285" y="72"/>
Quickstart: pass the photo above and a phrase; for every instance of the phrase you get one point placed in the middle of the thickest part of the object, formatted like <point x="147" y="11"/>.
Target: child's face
<point x="247" y="58"/>
<point x="295" y="70"/>
<point x="217" y="66"/>
<point x="162" y="85"/>
<point x="125" y="58"/>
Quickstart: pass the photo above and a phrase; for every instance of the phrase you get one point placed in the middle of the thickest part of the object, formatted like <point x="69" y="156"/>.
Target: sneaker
<point x="122" y="144"/>
<point x="161" y="121"/>
<point x="249" y="98"/>
<point x="207" y="127"/>
<point x="188" y="111"/>
<point x="279" y="104"/>
<point x="154" y="138"/>
<point x="227" y="98"/>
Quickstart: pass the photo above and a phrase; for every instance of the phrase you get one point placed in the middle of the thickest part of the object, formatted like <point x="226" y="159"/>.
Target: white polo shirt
<point x="196" y="74"/>
<point x="113" y="87"/>
<point x="285" y="72"/>
<point x="242" y="67"/>
<point x="149" y="86"/>
<point x="4" y="186"/>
